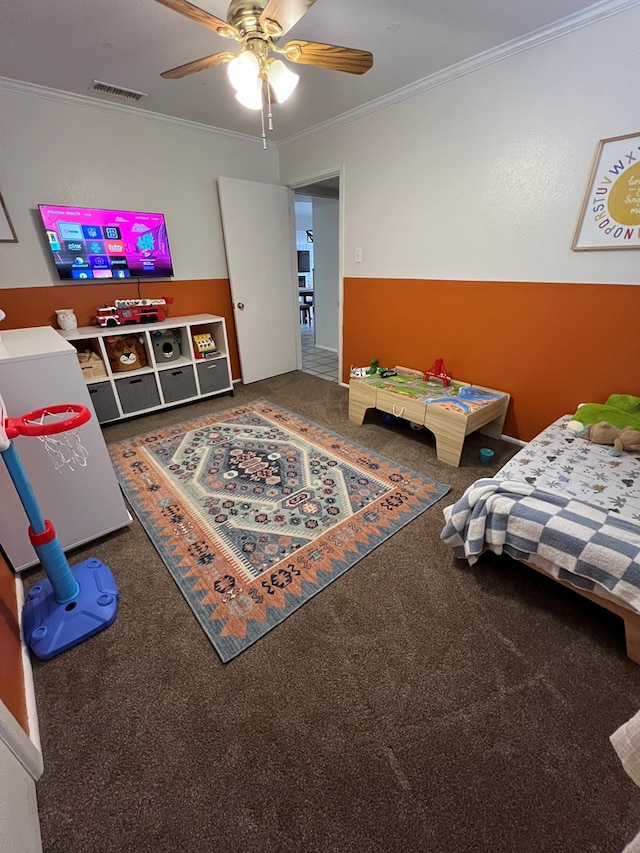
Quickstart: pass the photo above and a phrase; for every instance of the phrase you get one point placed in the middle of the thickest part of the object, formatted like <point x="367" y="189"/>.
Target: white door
<point x="259" y="230"/>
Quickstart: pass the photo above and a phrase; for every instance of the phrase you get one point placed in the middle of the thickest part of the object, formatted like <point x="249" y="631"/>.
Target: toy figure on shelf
<point x="437" y="371"/>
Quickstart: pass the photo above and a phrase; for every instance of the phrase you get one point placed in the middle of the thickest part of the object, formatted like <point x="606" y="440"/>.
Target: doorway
<point x="317" y="256"/>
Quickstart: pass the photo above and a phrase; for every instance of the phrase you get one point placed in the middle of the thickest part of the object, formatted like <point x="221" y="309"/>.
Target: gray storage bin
<point x="213" y="375"/>
<point x="104" y="401"/>
<point x="178" y="384"/>
<point x="137" y="393"/>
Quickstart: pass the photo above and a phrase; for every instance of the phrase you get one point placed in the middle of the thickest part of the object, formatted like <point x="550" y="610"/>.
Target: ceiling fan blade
<point x="283" y="13"/>
<point x="183" y="7"/>
<point x="329" y="56"/>
<point x="197" y="65"/>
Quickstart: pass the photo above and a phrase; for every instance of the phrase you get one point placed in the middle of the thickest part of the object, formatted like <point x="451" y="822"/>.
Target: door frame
<point x="298" y="185"/>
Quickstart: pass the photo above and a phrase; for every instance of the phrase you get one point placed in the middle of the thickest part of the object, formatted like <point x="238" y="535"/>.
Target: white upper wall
<point x="484" y="176"/>
<point x="54" y="151"/>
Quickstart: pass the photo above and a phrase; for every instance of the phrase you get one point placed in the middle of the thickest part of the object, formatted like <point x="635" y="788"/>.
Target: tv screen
<point x="89" y="243"/>
<point x="304" y="260"/>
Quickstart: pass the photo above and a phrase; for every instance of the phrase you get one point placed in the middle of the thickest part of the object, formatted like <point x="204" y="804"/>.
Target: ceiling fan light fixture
<point x="282" y="80"/>
<point x="243" y="72"/>
<point x="251" y="97"/>
<point x="258" y="25"/>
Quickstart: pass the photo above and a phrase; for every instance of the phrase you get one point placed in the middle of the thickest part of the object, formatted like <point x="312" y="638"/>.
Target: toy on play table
<point x="70" y="605"/>
<point x="437" y="371"/>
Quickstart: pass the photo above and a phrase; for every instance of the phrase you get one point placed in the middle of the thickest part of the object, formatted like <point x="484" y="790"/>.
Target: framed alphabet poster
<point x="7" y="234"/>
<point x="610" y="217"/>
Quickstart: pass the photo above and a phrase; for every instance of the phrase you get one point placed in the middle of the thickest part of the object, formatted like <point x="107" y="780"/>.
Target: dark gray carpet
<point x="413" y="705"/>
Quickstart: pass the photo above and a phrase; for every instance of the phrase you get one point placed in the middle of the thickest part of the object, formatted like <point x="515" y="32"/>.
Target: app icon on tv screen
<point x="91" y="243"/>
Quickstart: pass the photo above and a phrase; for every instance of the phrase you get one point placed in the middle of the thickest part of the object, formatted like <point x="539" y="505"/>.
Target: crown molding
<point x="87" y="102"/>
<point x="597" y="12"/>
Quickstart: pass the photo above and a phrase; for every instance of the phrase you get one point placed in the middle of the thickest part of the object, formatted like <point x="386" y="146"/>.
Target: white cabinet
<point x="38" y="369"/>
<point x="149" y="367"/>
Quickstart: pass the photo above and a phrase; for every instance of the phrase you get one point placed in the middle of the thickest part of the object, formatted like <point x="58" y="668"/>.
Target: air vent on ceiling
<point x="115" y="91"/>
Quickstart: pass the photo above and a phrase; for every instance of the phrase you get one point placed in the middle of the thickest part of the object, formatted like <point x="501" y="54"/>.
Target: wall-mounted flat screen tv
<point x="89" y="243"/>
<point x="304" y="260"/>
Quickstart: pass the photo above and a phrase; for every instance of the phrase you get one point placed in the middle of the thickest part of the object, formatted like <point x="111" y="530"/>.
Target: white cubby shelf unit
<point x="173" y="374"/>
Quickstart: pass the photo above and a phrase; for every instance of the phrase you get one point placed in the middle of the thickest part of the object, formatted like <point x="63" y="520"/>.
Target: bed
<point x="567" y="508"/>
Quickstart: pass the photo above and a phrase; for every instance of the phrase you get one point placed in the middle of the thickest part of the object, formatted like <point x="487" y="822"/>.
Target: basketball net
<point x="65" y="450"/>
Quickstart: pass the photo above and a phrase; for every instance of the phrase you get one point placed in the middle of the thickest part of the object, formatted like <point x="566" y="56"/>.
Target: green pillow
<point x="625" y="402"/>
<point x="621" y="410"/>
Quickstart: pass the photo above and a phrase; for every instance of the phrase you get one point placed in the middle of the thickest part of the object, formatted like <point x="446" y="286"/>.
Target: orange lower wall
<point x="36" y="306"/>
<point x="551" y="346"/>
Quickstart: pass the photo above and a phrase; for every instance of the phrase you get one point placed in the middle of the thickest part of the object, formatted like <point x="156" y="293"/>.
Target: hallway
<point x="318" y="362"/>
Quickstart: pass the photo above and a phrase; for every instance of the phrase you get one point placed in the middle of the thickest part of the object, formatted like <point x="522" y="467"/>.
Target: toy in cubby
<point x="126" y="352"/>
<point x="91" y="365"/>
<point x="167" y="345"/>
<point x="204" y="346"/>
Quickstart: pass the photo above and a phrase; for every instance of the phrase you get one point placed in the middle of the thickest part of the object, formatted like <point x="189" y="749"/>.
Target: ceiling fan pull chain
<point x="264" y="138"/>
<point x="269" y="103"/>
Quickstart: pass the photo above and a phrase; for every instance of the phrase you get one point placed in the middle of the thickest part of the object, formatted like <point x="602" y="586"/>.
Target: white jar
<point x="66" y="318"/>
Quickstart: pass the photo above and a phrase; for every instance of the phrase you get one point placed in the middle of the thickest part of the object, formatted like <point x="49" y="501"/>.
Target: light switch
<point x="358" y="256"/>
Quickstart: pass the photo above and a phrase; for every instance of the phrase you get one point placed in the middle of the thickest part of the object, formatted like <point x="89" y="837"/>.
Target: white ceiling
<point x="65" y="44"/>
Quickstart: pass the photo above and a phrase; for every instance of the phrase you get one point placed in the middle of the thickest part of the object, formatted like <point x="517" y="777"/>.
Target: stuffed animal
<point x="605" y="433"/>
<point x="126" y="353"/>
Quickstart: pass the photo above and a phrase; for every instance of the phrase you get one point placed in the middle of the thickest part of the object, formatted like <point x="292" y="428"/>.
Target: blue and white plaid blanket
<point x="583" y="544"/>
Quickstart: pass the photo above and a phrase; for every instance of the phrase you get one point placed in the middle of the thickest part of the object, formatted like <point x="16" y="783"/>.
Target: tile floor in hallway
<point x="319" y="362"/>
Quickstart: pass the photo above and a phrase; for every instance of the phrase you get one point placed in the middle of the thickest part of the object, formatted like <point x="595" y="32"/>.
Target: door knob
<point x="241" y="306"/>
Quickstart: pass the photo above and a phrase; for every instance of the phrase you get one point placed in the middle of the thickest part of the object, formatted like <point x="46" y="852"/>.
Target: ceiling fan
<point x="253" y="71"/>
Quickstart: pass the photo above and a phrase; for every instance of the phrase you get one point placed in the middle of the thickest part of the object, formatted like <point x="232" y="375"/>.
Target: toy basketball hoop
<point x="36" y="423"/>
<point x="70" y="605"/>
<point x="57" y="428"/>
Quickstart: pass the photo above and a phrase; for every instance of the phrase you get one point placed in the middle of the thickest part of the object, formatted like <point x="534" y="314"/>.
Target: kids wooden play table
<point x="450" y="413"/>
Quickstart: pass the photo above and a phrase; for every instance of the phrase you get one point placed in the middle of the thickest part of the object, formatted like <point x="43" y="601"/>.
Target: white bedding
<point x="565" y="505"/>
<point x="557" y="460"/>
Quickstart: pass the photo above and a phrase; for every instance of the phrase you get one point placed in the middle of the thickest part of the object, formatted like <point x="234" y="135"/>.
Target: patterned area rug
<point x="255" y="509"/>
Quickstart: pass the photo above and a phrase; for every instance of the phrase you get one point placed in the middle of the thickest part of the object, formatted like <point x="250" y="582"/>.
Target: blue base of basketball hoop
<point x="51" y="628"/>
